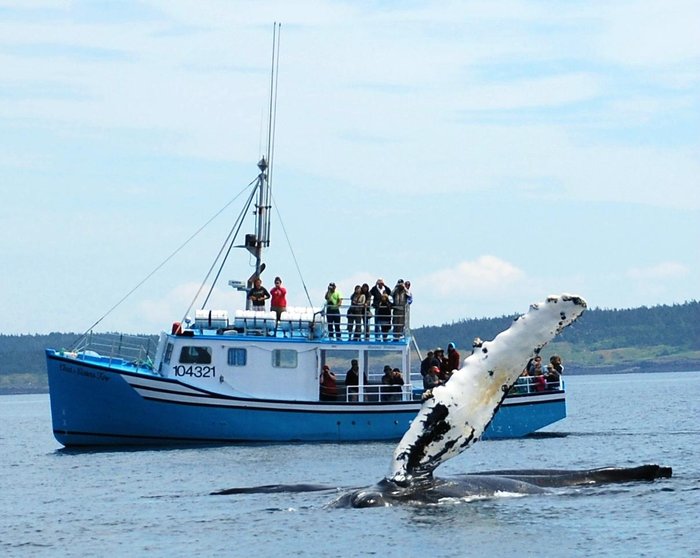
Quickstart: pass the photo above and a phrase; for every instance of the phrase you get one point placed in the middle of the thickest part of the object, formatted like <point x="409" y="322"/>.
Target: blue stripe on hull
<point x="94" y="405"/>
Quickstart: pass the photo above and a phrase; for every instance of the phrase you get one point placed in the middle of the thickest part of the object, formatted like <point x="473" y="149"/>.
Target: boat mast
<point x="255" y="243"/>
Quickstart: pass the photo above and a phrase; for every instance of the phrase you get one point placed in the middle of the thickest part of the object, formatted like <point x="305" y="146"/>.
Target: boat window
<point x="237" y="357"/>
<point x="284" y="358"/>
<point x="195" y="355"/>
<point x="168" y="353"/>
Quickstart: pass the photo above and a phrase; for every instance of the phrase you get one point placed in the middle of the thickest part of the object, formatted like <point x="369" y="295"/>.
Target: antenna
<point x="266" y="198"/>
<point x="261" y="239"/>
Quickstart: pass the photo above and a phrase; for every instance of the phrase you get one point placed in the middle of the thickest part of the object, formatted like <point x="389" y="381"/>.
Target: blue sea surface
<point x="57" y="502"/>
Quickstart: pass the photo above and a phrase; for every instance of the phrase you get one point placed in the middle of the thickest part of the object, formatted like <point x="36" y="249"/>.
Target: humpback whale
<point x="454" y="416"/>
<point x="489" y="484"/>
<point x="467" y="487"/>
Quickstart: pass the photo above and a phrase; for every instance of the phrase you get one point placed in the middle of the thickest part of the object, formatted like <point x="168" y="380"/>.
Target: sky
<point x="492" y="153"/>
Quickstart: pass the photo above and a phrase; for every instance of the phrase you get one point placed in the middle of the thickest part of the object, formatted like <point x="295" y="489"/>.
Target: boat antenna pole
<point x="261" y="239"/>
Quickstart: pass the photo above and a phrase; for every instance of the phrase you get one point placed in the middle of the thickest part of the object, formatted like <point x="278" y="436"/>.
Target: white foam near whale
<point x="458" y="412"/>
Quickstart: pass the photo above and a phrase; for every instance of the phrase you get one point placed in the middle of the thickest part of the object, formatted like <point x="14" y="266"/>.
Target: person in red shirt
<point x="453" y="358"/>
<point x="278" y="298"/>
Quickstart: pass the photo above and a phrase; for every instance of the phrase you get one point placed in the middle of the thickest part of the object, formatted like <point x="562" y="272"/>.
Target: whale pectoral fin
<point x="456" y="414"/>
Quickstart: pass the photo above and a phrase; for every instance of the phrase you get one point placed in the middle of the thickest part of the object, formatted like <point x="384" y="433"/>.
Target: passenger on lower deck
<point x="397" y="384"/>
<point x="431" y="379"/>
<point x="554" y="371"/>
<point x="329" y="388"/>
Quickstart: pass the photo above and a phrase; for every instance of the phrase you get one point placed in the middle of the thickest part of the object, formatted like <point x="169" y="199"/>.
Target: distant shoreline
<point x="644" y="367"/>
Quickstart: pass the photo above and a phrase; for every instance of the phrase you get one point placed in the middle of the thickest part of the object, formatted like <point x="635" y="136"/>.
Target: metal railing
<point x="137" y="350"/>
<point x="369" y="393"/>
<point x="534" y="385"/>
<point x="352" y="324"/>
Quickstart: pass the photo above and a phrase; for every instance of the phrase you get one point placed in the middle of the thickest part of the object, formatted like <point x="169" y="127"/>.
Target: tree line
<point x="675" y="327"/>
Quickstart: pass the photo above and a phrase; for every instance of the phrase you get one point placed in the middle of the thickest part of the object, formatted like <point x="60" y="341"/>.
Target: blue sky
<point x="491" y="152"/>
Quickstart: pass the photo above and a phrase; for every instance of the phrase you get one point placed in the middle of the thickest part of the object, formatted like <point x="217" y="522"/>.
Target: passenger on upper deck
<point x="258" y="295"/>
<point x="377" y="292"/>
<point x="356" y="313"/>
<point x="409" y="294"/>
<point x="278" y="294"/>
<point x="333" y="302"/>
<point x="382" y="319"/>
<point x="399" y="302"/>
<point x="367" y="314"/>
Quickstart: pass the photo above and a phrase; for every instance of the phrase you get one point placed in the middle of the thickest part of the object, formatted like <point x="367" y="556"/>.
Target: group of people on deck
<point x="387" y="306"/>
<point x="257" y="295"/>
<point x="390" y="390"/>
<point x="544" y="376"/>
<point x="437" y="367"/>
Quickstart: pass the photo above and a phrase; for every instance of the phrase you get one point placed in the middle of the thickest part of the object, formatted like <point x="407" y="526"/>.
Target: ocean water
<point x="55" y="502"/>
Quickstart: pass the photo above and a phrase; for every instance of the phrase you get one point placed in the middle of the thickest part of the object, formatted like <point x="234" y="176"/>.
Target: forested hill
<point x="657" y="338"/>
<point x="665" y="337"/>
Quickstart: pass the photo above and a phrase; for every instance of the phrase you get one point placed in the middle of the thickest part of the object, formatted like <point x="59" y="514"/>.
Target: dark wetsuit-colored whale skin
<point x="464" y="487"/>
<point x="488" y="484"/>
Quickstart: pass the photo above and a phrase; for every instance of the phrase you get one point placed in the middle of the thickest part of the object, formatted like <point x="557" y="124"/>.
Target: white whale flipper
<point x="458" y="412"/>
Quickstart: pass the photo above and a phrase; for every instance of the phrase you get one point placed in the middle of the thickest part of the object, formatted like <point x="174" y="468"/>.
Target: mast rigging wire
<point x="160" y="265"/>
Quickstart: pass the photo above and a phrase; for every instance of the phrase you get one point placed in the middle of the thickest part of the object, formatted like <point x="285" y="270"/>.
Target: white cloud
<point x="485" y="274"/>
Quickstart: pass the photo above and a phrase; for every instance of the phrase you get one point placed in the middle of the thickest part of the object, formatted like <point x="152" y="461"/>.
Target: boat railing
<point x="351" y="323"/>
<point x="374" y="393"/>
<point x="137" y="350"/>
<point x="347" y="324"/>
<point x="531" y="385"/>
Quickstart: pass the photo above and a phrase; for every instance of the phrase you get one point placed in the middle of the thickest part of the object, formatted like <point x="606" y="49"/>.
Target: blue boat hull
<point x="94" y="404"/>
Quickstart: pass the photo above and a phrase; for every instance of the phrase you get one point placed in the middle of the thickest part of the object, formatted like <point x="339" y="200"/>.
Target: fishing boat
<point x="246" y="375"/>
<point x="255" y="376"/>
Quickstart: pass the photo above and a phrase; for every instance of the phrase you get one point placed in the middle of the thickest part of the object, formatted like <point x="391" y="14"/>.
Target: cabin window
<point x="195" y="355"/>
<point x="284" y="358"/>
<point x="237" y="357"/>
<point x="168" y="353"/>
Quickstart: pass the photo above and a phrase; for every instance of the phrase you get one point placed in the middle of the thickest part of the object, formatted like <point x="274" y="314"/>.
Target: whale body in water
<point x="455" y="415"/>
<point x="473" y="486"/>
